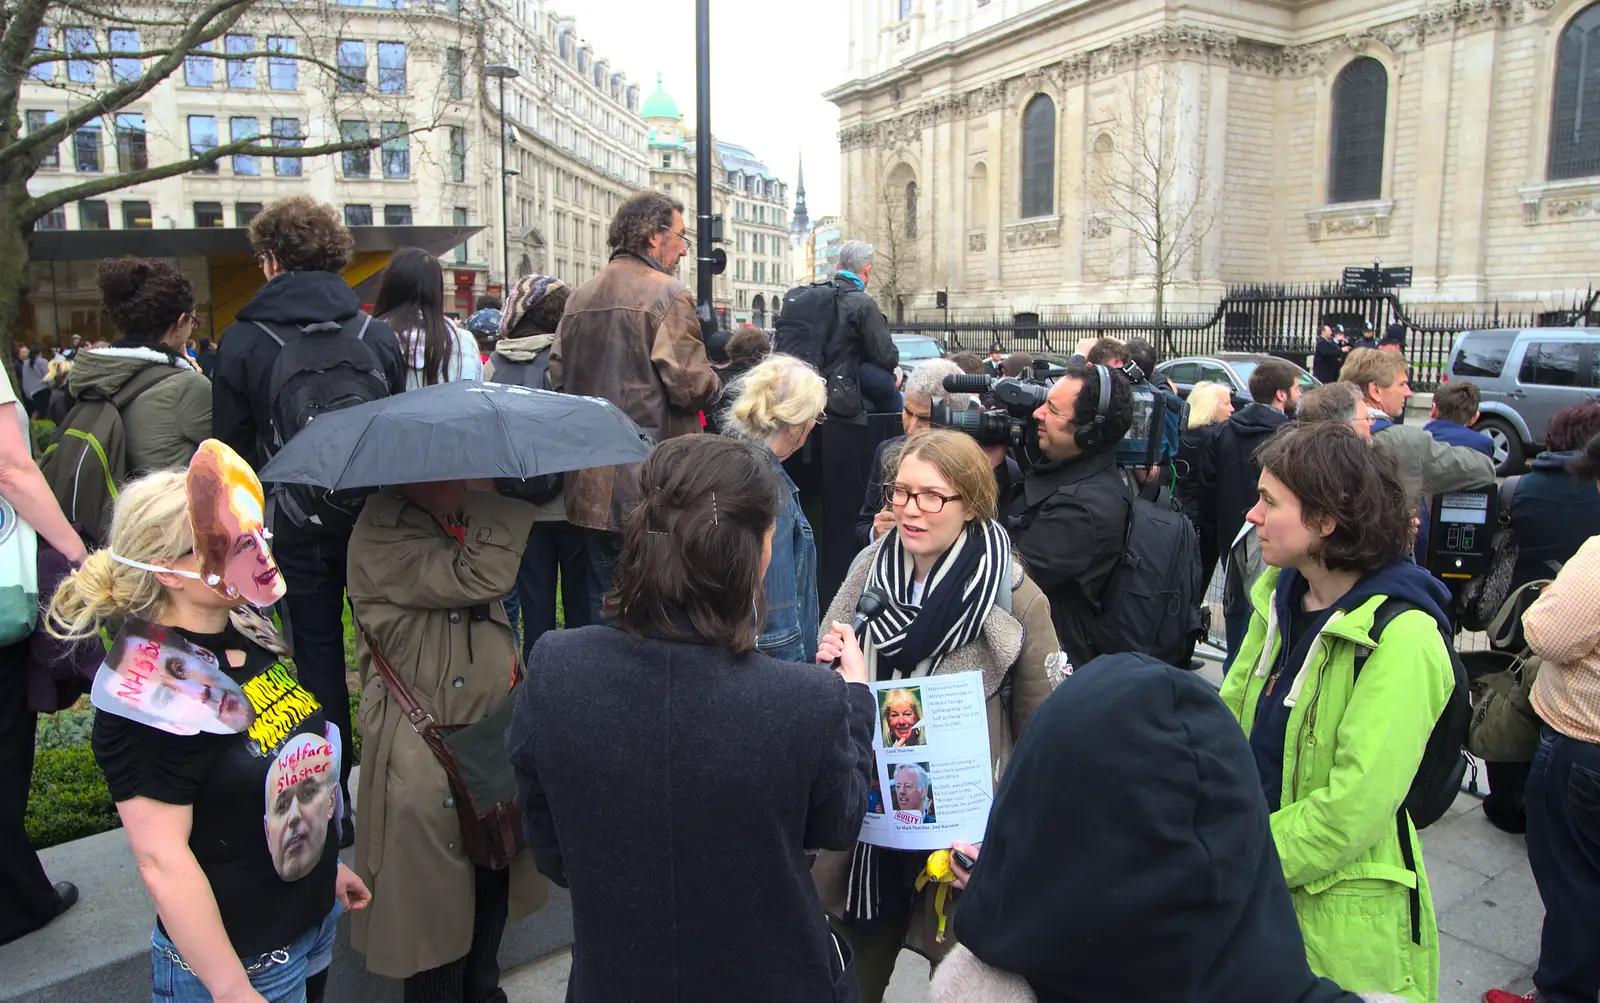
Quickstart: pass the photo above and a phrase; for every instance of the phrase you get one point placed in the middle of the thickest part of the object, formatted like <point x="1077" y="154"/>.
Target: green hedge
<point x="68" y="799"/>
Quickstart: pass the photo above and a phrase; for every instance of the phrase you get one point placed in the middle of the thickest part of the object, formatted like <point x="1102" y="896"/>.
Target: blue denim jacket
<point x="790" y="631"/>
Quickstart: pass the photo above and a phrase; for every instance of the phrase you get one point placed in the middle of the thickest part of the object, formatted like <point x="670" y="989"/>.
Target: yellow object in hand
<point x="938" y="870"/>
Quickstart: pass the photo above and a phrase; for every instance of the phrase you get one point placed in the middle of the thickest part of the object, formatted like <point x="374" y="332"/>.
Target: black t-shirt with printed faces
<point x="216" y="722"/>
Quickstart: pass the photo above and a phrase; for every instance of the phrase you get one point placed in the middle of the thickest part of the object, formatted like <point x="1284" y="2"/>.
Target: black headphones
<point x="1091" y="438"/>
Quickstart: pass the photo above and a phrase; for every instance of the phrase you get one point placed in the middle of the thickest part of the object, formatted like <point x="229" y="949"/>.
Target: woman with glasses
<point x="957" y="601"/>
<point x="169" y="413"/>
<point x="776" y="405"/>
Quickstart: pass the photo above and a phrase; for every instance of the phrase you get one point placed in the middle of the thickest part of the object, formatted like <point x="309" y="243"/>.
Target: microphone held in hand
<point x="871" y="604"/>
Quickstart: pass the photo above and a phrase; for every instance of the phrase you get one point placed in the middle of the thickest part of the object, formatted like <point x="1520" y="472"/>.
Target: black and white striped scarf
<point x="911" y="639"/>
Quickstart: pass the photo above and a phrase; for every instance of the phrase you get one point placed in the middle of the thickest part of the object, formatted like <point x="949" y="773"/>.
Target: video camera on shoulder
<point x="1008" y="421"/>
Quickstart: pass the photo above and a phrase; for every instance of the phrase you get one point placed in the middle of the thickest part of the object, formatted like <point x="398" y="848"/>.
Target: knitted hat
<point x="528" y="290"/>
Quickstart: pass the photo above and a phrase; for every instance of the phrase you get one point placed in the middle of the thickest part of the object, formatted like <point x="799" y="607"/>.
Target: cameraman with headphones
<point x="1069" y="518"/>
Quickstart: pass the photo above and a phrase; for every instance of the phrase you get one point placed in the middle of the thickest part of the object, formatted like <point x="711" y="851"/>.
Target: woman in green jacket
<point x="1337" y="759"/>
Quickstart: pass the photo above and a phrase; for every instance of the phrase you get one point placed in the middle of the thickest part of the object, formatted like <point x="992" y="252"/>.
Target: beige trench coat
<point x="1012" y="647"/>
<point x="412" y="586"/>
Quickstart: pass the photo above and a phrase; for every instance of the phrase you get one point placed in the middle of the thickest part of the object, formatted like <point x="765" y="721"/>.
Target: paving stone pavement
<point x="1488" y="910"/>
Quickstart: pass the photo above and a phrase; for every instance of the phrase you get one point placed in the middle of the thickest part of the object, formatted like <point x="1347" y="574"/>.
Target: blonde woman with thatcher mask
<point x="224" y="770"/>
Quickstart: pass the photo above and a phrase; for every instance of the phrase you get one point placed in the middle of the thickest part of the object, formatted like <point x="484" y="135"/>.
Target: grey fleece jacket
<point x="166" y="423"/>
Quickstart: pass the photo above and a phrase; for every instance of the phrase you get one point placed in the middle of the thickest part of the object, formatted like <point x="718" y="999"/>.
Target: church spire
<point x="801" y="220"/>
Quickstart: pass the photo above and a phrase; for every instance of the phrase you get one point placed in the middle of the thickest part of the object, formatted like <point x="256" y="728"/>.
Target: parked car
<point x="914" y="349"/>
<point x="1231" y="368"/>
<point x="1525" y="376"/>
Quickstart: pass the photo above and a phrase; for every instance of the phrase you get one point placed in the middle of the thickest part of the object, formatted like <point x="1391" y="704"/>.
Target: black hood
<point x="1129" y="857"/>
<point x="1256" y="420"/>
<point x="303" y="298"/>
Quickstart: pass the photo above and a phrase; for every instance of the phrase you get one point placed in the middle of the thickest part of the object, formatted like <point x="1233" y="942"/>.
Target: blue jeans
<point x="281" y="980"/>
<point x="878" y="389"/>
<point x="1563" y="804"/>
<point x="555" y="552"/>
<point x="1235" y="627"/>
<point x="600" y="550"/>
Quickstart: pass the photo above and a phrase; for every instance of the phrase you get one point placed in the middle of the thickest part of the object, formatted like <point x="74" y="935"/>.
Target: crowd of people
<point x="694" y="751"/>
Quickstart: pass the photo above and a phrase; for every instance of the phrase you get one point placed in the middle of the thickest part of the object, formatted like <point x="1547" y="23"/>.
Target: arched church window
<point x="1575" y="108"/>
<point x="1355" y="159"/>
<point x="1038" y="157"/>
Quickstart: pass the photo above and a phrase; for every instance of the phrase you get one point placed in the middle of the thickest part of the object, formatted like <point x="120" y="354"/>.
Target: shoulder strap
<point x="270" y="332"/>
<point x="421" y="720"/>
<point x="1503" y="625"/>
<point x="1508" y="490"/>
<point x="366" y="322"/>
<point x="143" y="380"/>
<point x="1386" y="612"/>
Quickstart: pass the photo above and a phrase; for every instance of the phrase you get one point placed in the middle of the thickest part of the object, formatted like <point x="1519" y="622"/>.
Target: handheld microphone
<point x="871" y="604"/>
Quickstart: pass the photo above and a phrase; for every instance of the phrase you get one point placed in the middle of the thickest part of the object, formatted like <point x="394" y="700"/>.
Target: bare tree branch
<point x="37" y="207"/>
<point x="210" y="24"/>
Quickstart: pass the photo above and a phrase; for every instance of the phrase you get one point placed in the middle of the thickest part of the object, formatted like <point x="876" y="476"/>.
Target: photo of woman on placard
<point x="902" y="717"/>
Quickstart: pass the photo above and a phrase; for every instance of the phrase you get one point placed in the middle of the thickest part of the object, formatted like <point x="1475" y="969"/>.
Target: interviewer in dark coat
<point x="673" y="777"/>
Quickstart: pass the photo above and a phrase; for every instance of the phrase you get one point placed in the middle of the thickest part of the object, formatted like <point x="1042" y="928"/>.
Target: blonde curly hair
<point x="150" y="524"/>
<point x="782" y="392"/>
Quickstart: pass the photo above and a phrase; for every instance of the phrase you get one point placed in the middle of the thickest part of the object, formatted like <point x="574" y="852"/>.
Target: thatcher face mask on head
<point x="226" y="509"/>
<point x="226" y="514"/>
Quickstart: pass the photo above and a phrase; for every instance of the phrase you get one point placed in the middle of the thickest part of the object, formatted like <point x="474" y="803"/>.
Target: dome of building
<point x="660" y="104"/>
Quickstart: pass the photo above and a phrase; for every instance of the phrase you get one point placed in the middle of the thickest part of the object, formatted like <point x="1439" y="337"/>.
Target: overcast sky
<point x="770" y="63"/>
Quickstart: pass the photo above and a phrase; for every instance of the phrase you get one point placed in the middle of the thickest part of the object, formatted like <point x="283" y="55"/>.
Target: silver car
<point x="1525" y="375"/>
<point x="1231" y="369"/>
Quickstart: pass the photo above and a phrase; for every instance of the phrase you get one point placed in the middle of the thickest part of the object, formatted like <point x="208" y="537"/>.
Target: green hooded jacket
<point x="166" y="423"/>
<point x="1349" y="759"/>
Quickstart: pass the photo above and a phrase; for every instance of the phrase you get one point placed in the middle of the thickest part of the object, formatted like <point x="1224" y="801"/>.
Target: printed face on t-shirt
<point x="155" y="676"/>
<point x="302" y="788"/>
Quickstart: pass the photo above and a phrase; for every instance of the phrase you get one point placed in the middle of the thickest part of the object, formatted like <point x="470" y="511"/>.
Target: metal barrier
<point x="1276" y="319"/>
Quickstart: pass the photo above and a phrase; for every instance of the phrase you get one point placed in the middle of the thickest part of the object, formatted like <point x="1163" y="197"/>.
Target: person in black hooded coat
<point x="1128" y="855"/>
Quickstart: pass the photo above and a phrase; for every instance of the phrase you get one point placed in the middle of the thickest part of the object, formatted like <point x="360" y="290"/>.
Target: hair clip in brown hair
<point x="713" y="508"/>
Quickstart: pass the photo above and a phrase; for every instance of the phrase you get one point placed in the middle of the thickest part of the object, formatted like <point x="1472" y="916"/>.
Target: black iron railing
<point x="1276" y="319"/>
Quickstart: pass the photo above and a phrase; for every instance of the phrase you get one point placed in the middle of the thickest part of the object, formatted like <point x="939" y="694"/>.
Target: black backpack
<point x="87" y="463"/>
<point x="808" y="329"/>
<point x="534" y="375"/>
<point x="322" y="367"/>
<point x="1444" y="761"/>
<point x="805" y="326"/>
<point x="1152" y="602"/>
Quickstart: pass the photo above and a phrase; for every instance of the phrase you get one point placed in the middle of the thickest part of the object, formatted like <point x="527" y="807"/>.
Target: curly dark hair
<point x="1337" y="475"/>
<point x="144" y="297"/>
<point x="640" y="218"/>
<point x="1572" y="427"/>
<point x="1119" y="416"/>
<point x="690" y="562"/>
<point x="303" y="235"/>
<point x="747" y="348"/>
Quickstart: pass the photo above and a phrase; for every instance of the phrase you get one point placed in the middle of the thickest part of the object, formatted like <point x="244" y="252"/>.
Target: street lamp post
<point x="503" y="72"/>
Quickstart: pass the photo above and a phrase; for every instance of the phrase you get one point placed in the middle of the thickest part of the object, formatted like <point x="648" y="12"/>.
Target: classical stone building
<point x="576" y="143"/>
<point x="410" y="71"/>
<point x="1037" y="154"/>
<point x="753" y="202"/>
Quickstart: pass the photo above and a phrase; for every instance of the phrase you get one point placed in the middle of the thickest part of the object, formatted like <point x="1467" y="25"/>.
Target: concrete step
<point x="100" y="950"/>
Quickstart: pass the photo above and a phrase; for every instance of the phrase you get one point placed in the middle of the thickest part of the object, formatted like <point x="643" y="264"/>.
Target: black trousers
<point x="476" y="977"/>
<point x="27" y="899"/>
<point x="313" y="620"/>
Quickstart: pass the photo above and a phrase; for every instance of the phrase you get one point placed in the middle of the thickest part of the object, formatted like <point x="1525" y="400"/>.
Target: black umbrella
<point x="458" y="431"/>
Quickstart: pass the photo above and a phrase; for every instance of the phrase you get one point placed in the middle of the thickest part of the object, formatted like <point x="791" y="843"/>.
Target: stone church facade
<point x="1036" y="155"/>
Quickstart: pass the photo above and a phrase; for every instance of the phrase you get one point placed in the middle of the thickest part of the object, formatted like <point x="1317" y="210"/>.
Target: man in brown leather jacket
<point x="630" y="335"/>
